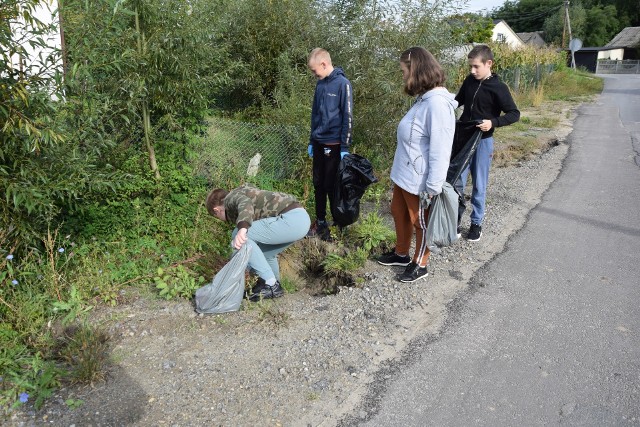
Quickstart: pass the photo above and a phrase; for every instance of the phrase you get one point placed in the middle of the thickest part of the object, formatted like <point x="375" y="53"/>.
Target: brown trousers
<point x="407" y="216"/>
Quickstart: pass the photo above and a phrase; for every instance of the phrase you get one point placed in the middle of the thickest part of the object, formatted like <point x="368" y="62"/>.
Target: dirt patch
<point x="304" y="359"/>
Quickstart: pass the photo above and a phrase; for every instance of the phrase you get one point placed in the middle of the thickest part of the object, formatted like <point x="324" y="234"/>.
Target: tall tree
<point x="43" y="170"/>
<point x="471" y="27"/>
<point x="603" y="25"/>
<point x="154" y="62"/>
<point x="527" y="15"/>
<point x="555" y="26"/>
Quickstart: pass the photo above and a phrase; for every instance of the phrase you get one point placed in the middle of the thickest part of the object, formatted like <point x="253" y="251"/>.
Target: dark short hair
<point x="215" y="199"/>
<point x="482" y="51"/>
<point x="425" y="72"/>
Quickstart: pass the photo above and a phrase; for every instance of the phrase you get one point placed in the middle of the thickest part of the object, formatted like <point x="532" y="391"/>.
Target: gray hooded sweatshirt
<point x="425" y="137"/>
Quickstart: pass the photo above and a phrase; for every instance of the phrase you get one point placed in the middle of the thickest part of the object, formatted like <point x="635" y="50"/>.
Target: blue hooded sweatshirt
<point x="332" y="111"/>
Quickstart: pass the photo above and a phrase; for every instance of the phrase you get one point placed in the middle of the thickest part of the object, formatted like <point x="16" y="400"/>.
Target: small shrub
<point x="371" y="232"/>
<point x="177" y="282"/>
<point x="74" y="403"/>
<point x="74" y="306"/>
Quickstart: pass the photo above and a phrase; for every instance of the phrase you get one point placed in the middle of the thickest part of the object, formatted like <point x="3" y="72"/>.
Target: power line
<point x="527" y="16"/>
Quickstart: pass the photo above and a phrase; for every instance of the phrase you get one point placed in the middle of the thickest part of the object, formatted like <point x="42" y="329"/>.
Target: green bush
<point x="177" y="282"/>
<point x="370" y="232"/>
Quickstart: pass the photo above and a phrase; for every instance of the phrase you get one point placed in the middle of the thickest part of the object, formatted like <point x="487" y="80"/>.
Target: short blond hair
<point x="319" y="53"/>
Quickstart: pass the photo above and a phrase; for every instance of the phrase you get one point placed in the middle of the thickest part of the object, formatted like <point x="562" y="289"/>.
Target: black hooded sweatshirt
<point x="485" y="100"/>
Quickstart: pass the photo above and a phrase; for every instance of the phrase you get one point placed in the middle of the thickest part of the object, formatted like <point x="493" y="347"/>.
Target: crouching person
<point x="269" y="221"/>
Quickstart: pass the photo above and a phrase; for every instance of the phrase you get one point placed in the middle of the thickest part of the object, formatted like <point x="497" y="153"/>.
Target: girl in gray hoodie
<point x="425" y="138"/>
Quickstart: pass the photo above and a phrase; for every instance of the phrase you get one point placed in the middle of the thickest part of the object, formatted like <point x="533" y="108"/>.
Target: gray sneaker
<point x="263" y="291"/>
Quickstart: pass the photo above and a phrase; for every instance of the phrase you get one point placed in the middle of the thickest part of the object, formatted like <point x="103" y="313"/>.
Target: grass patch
<point x="572" y="85"/>
<point x="85" y="350"/>
<point x="268" y="311"/>
<point x="288" y="285"/>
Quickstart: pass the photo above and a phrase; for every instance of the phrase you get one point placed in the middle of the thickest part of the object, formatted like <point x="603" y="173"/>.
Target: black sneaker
<point x="475" y="232"/>
<point x="260" y="283"/>
<point x="413" y="272"/>
<point x="325" y="234"/>
<point x="459" y="232"/>
<point x="392" y="258"/>
<point x="319" y="228"/>
<point x="264" y="291"/>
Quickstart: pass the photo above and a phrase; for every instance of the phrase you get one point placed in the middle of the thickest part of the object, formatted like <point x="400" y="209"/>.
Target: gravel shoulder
<point x="300" y="360"/>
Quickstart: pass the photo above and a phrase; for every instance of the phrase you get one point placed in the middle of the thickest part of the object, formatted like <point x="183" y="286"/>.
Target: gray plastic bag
<point x="442" y="224"/>
<point x="225" y="292"/>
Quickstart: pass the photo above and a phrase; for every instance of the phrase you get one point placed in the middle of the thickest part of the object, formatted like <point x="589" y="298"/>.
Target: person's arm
<point x="314" y="110"/>
<point x="245" y="211"/>
<point x="441" y="125"/>
<point x="346" y="101"/>
<point x="245" y="219"/>
<point x="460" y="95"/>
<point x="506" y="105"/>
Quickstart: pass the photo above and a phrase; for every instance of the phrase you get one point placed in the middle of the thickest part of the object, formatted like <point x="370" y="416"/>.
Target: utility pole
<point x="567" y="24"/>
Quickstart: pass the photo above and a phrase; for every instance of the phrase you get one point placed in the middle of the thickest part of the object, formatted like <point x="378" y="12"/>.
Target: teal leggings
<point x="269" y="236"/>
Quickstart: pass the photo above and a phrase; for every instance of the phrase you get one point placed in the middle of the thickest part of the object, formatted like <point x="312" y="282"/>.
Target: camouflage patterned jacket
<point x="245" y="204"/>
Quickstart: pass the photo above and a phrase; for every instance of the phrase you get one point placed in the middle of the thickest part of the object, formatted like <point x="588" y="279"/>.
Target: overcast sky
<point x="479" y="5"/>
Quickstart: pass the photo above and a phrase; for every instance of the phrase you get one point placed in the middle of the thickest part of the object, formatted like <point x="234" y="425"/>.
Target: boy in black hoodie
<point x="484" y="97"/>
<point x="331" y="128"/>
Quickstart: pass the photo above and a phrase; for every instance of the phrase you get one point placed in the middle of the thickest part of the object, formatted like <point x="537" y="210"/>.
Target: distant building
<point x="535" y="38"/>
<point x="502" y="33"/>
<point x="629" y="40"/>
<point x="588" y="57"/>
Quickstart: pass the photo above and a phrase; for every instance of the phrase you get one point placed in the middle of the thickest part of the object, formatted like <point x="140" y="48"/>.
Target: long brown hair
<point x="215" y="199"/>
<point x="425" y="71"/>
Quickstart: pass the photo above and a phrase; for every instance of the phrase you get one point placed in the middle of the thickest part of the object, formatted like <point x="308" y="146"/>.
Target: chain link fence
<point x="233" y="152"/>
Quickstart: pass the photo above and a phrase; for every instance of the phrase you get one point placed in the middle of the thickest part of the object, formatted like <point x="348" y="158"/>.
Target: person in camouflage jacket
<point x="269" y="222"/>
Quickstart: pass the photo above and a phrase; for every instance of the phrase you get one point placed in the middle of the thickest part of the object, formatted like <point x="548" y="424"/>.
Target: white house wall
<point x="613" y="54"/>
<point x="503" y="34"/>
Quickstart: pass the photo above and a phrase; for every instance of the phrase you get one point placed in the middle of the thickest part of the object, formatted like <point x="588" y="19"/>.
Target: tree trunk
<point x="146" y="119"/>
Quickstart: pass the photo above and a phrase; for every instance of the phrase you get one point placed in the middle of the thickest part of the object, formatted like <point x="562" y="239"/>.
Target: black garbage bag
<point x="465" y="142"/>
<point x="355" y="174"/>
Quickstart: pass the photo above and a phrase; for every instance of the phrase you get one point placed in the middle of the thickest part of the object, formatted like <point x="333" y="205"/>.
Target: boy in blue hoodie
<point x="331" y="132"/>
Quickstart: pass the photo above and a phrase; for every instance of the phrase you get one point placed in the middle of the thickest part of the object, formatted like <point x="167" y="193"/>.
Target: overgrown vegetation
<point x="101" y="167"/>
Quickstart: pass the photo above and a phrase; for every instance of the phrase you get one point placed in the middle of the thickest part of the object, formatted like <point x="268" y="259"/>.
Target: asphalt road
<point x="550" y="332"/>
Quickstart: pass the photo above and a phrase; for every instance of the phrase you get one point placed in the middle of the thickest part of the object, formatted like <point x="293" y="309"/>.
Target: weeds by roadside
<point x="46" y="295"/>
